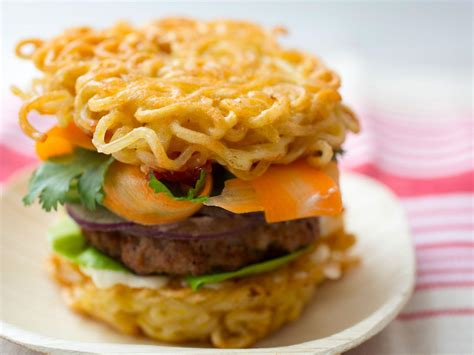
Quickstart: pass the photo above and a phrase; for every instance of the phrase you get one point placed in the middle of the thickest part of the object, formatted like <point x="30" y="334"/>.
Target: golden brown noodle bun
<point x="234" y="315"/>
<point x="222" y="90"/>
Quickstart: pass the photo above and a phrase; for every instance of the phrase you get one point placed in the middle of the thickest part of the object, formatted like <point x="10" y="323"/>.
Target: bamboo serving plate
<point x="342" y="314"/>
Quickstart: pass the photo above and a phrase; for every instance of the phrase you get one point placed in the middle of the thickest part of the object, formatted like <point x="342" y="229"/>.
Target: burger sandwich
<point x="197" y="163"/>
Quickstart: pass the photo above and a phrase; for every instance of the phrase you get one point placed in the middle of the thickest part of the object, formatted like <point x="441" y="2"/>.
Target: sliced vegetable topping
<point x="78" y="176"/>
<point x="62" y="141"/>
<point x="66" y="239"/>
<point x="238" y="196"/>
<point x="192" y="194"/>
<point x="297" y="191"/>
<point x="204" y="226"/>
<point x="187" y="177"/>
<point x="132" y="195"/>
<point x="196" y="282"/>
<point x="284" y="192"/>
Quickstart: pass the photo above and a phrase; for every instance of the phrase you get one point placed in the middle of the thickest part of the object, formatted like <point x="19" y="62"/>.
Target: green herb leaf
<point x="192" y="194"/>
<point x="194" y="191"/>
<point x="66" y="239"/>
<point x="90" y="185"/>
<point x="69" y="178"/>
<point x="158" y="186"/>
<point x="196" y="282"/>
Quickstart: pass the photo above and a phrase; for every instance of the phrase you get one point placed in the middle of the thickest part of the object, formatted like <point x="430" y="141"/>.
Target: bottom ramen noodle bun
<point x="231" y="314"/>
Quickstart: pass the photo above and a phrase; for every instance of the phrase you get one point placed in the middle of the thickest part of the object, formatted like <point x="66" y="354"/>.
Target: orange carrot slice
<point x="128" y="195"/>
<point x="238" y="196"/>
<point x="284" y="192"/>
<point x="62" y="140"/>
<point x="297" y="191"/>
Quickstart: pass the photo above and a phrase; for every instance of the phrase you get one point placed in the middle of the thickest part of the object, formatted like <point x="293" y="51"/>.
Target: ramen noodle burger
<point x="197" y="164"/>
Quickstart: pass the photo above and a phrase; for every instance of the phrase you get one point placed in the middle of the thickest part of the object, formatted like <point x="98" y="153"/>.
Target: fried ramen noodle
<point x="178" y="92"/>
<point x="232" y="314"/>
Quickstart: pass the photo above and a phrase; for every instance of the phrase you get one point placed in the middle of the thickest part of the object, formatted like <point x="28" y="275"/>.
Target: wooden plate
<point x="342" y="314"/>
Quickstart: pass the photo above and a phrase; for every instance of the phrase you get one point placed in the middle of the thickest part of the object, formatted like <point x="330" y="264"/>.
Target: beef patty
<point x="211" y="241"/>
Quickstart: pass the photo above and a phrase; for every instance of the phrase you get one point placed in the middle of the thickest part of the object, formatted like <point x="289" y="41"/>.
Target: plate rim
<point x="336" y="343"/>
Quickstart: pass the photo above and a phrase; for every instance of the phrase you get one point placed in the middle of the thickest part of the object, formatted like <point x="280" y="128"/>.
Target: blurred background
<point x="407" y="71"/>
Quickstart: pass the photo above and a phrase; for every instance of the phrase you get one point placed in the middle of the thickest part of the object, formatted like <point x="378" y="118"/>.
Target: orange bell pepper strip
<point x="62" y="141"/>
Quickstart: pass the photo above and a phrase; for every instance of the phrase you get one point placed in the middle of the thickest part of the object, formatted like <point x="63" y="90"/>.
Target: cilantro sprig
<point x="78" y="176"/>
<point x="192" y="194"/>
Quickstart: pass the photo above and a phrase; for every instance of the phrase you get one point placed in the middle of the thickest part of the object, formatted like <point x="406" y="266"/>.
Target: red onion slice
<point x="208" y="223"/>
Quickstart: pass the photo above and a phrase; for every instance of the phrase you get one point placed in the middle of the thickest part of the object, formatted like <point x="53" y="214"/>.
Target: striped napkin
<point x="428" y="163"/>
<point x="426" y="157"/>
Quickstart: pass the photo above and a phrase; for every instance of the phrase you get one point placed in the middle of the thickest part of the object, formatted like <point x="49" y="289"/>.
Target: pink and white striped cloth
<point x="429" y="165"/>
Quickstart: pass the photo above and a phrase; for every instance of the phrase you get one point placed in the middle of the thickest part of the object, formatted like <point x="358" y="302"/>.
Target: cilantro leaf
<point x="192" y="194"/>
<point x="196" y="282"/>
<point x="194" y="191"/>
<point x="79" y="175"/>
<point x="91" y="181"/>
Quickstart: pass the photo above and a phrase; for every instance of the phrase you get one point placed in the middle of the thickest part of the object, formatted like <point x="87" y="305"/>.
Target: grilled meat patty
<point x="228" y="242"/>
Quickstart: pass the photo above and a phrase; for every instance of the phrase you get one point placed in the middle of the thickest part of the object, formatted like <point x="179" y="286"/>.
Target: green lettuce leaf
<point x="196" y="282"/>
<point x="192" y="194"/>
<point x="78" y="176"/>
<point x="66" y="239"/>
